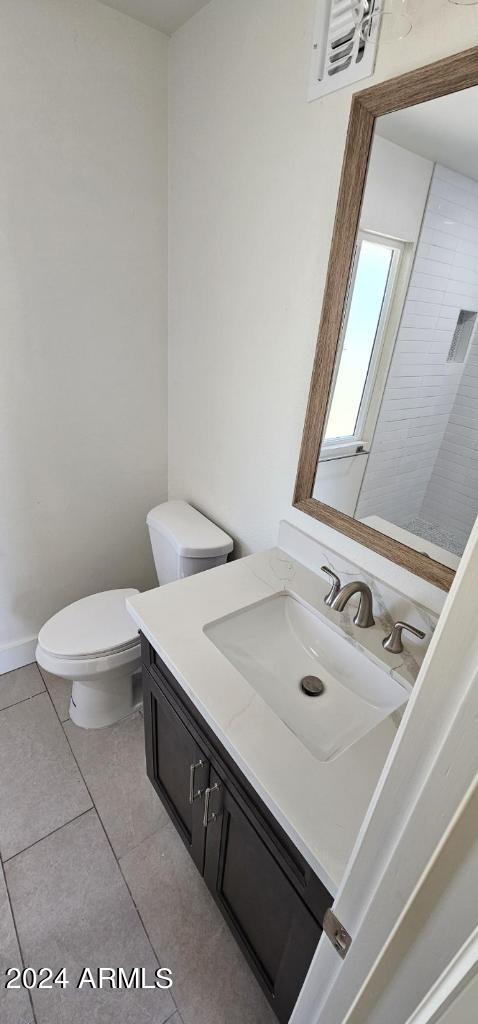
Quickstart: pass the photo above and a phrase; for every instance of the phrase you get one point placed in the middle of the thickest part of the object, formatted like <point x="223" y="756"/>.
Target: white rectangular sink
<point x="275" y="643"/>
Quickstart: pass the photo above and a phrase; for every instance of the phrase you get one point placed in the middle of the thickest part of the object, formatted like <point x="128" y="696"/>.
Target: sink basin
<point x="277" y="642"/>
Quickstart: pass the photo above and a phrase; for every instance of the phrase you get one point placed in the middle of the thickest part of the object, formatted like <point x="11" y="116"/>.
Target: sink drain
<point x="312" y="686"/>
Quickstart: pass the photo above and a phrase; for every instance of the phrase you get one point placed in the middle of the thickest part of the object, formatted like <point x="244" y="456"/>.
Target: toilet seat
<point x="89" y="667"/>
<point x="94" y="627"/>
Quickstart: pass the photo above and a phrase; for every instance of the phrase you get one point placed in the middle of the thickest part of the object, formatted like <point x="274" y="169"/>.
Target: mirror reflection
<point x="400" y="447"/>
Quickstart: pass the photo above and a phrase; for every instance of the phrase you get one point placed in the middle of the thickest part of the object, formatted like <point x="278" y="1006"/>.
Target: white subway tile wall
<point x="424" y="459"/>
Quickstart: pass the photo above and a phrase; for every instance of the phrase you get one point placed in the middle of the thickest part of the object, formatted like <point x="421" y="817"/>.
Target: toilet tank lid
<point x="190" y="533"/>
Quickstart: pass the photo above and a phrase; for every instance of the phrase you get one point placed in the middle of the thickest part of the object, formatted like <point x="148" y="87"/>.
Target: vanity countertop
<point x="320" y="805"/>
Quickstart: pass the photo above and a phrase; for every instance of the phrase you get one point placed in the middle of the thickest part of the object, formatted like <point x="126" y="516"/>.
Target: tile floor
<point x="93" y="874"/>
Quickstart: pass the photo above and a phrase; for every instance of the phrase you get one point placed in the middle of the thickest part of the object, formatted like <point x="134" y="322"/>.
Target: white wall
<point x="338" y="481"/>
<point x="254" y="173"/>
<point x="83" y="251"/>
<point x="395" y="191"/>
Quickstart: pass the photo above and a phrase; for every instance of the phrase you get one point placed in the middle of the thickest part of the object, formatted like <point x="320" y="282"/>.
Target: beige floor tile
<point x="60" y="693"/>
<point x="15" y="1006"/>
<point x="40" y="785"/>
<point x="112" y="761"/>
<point x="73" y="910"/>
<point x="212" y="982"/>
<point x="19" y="685"/>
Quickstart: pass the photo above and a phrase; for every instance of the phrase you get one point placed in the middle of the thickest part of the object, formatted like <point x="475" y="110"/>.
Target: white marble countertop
<point x="320" y="805"/>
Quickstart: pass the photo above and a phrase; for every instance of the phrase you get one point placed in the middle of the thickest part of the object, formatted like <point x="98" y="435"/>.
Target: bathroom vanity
<point x="266" y="786"/>
<point x="270" y="897"/>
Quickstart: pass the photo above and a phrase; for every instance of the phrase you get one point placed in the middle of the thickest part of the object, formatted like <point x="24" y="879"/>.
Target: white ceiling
<point x="166" y="15"/>
<point x="443" y="130"/>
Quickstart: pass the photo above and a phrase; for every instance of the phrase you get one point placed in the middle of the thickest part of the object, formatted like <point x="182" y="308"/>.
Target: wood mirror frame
<point x="452" y="74"/>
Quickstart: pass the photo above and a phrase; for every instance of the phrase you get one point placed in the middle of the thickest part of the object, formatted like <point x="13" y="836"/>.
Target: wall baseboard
<point x="17" y="655"/>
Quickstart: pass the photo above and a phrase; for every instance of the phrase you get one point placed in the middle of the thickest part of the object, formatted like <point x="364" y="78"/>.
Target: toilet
<point x="94" y="642"/>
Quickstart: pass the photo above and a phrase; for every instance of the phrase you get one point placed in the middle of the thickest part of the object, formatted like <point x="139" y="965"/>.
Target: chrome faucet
<point x="364" y="616"/>
<point x="340" y="596"/>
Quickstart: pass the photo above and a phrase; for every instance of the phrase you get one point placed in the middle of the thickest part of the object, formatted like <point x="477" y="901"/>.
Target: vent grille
<point x="464" y="330"/>
<point x="345" y="44"/>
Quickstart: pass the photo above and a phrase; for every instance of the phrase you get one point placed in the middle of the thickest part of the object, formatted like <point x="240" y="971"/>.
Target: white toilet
<point x="94" y="642"/>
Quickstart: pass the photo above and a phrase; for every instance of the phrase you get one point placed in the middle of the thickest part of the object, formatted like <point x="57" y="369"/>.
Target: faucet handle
<point x="393" y="641"/>
<point x="336" y="585"/>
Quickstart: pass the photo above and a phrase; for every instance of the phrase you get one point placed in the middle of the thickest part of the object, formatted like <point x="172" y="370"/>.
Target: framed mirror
<point x="389" y="452"/>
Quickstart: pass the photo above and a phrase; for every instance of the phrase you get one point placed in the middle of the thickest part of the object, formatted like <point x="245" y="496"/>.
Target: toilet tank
<point x="184" y="541"/>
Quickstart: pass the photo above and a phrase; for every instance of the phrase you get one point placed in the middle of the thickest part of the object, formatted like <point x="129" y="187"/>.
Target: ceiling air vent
<point x="345" y="43"/>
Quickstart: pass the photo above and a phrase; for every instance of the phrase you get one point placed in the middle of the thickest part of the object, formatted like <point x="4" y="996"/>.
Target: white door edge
<point x="431" y="767"/>
<point x="451" y="982"/>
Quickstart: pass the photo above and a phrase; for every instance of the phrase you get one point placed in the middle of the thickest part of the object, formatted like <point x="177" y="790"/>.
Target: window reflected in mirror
<point x="400" y="446"/>
<point x="361" y="344"/>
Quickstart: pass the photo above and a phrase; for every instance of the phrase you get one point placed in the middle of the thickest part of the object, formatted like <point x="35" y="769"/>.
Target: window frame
<point x="382" y="348"/>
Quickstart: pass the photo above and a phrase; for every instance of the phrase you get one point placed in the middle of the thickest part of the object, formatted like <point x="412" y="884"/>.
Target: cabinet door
<point x="177" y="767"/>
<point x="267" y="916"/>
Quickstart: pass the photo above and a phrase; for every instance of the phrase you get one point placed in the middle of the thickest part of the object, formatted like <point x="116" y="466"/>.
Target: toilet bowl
<point x="94" y="642"/>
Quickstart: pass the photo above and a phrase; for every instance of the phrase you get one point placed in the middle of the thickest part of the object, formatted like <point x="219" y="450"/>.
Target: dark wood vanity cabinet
<point x="271" y="923"/>
<point x="176" y="764"/>
<point x="271" y="899"/>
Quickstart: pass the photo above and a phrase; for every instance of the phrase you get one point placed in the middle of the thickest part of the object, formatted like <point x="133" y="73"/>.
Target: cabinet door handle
<point x="192" y="771"/>
<point x="207" y="819"/>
